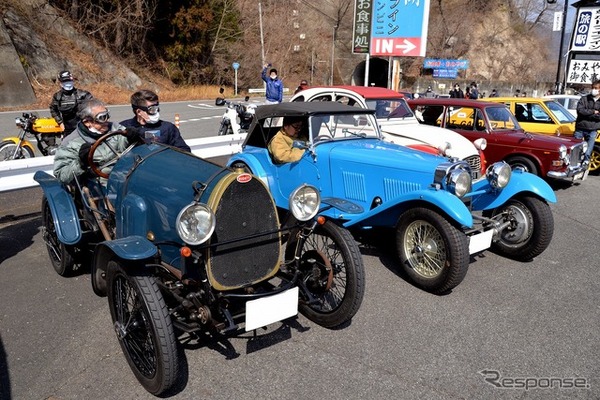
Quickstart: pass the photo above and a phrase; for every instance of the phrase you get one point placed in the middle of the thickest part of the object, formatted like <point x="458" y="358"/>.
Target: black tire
<point x="144" y="328"/>
<point x="595" y="160"/>
<point x="333" y="273"/>
<point x="432" y="252"/>
<point x="524" y="163"/>
<point x="7" y="150"/>
<point x="530" y="231"/>
<point x="61" y="256"/>
<point x="225" y="128"/>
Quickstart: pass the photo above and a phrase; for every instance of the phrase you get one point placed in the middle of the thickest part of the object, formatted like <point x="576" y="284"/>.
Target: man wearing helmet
<point x="66" y="101"/>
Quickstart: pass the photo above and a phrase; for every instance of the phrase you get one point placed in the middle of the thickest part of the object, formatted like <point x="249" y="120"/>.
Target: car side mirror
<point x="246" y="98"/>
<point x="220" y="101"/>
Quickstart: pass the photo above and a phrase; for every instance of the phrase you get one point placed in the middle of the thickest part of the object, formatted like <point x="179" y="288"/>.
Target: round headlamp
<point x="305" y="202"/>
<point x="562" y="151"/>
<point x="20" y="122"/>
<point x="195" y="223"/>
<point x="480" y="144"/>
<point x="458" y="182"/>
<point x="498" y="174"/>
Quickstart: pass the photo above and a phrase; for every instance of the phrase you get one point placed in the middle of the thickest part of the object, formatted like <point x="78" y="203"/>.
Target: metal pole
<point x="262" y="40"/>
<point x="367" y="62"/>
<point x="333" y="52"/>
<point x="235" y="87"/>
<point x="559" y="87"/>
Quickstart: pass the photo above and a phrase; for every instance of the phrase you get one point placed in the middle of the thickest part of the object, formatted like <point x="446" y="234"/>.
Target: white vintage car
<point x="400" y="125"/>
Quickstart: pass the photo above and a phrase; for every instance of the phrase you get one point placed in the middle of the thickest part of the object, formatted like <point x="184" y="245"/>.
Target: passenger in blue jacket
<point x="146" y="110"/>
<point x="274" y="90"/>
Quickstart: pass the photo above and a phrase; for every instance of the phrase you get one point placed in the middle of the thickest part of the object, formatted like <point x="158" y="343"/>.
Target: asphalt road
<point x="528" y="325"/>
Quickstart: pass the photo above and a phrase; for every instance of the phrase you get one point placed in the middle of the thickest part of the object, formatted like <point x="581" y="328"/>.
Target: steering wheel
<point x="97" y="169"/>
<point x="321" y="138"/>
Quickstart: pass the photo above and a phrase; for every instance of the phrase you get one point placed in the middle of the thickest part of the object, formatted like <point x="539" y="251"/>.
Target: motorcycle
<point x="237" y="117"/>
<point x="46" y="131"/>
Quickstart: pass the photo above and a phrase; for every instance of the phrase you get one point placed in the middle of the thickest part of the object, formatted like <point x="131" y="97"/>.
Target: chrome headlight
<point x="498" y="174"/>
<point x="458" y="182"/>
<point x="20" y="122"/>
<point x="195" y="223"/>
<point x="480" y="144"/>
<point x="562" y="151"/>
<point x="305" y="202"/>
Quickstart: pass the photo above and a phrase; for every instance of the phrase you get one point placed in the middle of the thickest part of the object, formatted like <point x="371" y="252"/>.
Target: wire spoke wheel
<point x="426" y="249"/>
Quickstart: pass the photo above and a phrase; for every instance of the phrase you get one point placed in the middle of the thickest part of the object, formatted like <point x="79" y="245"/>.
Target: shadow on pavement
<point x="4" y="377"/>
<point x="17" y="237"/>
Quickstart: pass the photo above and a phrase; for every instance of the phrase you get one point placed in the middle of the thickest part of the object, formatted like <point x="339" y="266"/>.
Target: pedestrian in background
<point x="303" y="85"/>
<point x="65" y="103"/>
<point x="588" y="119"/>
<point x="494" y="93"/>
<point x="457" y="92"/>
<point x="473" y="92"/>
<point x="274" y="89"/>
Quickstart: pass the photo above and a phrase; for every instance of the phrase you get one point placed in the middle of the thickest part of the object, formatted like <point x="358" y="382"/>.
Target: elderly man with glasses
<point x="146" y="110"/>
<point x="289" y="144"/>
<point x="71" y="159"/>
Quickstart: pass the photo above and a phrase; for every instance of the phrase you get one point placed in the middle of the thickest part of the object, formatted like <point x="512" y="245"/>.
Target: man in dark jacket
<point x="65" y="103"/>
<point x="457" y="92"/>
<point x="588" y="119"/>
<point x="147" y="118"/>
<point x="274" y="89"/>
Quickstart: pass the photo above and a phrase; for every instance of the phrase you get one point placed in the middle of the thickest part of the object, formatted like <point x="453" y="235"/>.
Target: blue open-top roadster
<point x="179" y="244"/>
<point x="440" y="216"/>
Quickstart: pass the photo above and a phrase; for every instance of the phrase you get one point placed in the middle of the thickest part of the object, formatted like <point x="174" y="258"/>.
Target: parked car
<point x="179" y="244"/>
<point x="568" y="101"/>
<point x="437" y="214"/>
<point x="536" y="115"/>
<point x="542" y="155"/>
<point x="399" y="124"/>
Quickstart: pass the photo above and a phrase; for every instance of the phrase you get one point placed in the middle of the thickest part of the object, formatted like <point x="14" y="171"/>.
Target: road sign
<point x="399" y="28"/>
<point x="235" y="65"/>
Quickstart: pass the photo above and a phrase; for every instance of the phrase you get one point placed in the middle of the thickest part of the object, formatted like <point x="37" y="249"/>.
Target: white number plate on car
<point x="264" y="311"/>
<point x="480" y="241"/>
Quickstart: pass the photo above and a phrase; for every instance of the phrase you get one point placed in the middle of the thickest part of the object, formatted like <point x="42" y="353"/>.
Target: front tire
<point x="7" y="151"/>
<point x="144" y="328"/>
<point x="432" y="252"/>
<point x="524" y="163"/>
<point x="61" y="255"/>
<point x="595" y="160"/>
<point x="332" y="273"/>
<point x="530" y="231"/>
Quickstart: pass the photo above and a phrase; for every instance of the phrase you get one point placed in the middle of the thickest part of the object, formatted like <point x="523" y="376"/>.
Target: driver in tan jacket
<point x="289" y="144"/>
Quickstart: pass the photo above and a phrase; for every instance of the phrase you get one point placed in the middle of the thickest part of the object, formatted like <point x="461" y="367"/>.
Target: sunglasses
<point x="102" y="117"/>
<point x="151" y="109"/>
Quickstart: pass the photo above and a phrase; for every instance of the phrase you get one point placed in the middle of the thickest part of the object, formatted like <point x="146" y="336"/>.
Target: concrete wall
<point x="15" y="89"/>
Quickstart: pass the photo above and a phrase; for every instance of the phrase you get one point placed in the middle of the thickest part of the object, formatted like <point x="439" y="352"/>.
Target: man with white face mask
<point x="66" y="101"/>
<point x="146" y="109"/>
<point x="588" y="119"/>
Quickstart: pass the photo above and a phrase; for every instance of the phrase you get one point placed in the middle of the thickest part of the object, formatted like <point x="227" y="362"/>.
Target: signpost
<point x="584" y="60"/>
<point x="399" y="28"/>
<point x="235" y="66"/>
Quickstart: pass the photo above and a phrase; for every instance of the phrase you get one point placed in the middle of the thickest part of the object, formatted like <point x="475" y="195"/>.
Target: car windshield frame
<point x="390" y="108"/>
<point x="561" y="114"/>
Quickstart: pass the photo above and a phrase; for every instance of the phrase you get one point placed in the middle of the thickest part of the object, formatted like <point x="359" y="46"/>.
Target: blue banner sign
<point x="445" y="73"/>
<point x="437" y="63"/>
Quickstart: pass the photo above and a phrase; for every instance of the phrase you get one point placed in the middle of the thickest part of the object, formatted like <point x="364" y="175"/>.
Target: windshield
<point x="501" y="119"/>
<point x="326" y="127"/>
<point x="390" y="108"/>
<point x="561" y="113"/>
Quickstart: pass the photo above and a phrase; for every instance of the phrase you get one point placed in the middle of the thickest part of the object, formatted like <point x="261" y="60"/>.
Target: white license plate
<point x="480" y="241"/>
<point x="264" y="311"/>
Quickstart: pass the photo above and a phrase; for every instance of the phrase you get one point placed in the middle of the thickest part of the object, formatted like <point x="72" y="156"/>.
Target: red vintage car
<point x="543" y="155"/>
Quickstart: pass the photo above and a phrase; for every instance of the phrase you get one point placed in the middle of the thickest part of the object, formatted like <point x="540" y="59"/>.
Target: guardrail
<point x="18" y="174"/>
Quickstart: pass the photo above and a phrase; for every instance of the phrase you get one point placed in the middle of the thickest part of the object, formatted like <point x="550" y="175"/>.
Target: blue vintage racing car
<point x="182" y="246"/>
<point x="439" y="215"/>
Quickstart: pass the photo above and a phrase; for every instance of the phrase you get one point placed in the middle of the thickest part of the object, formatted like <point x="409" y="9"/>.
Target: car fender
<point x="451" y="205"/>
<point x="254" y="164"/>
<point x="520" y="182"/>
<point x="24" y="143"/>
<point x="128" y="248"/>
<point x="62" y="207"/>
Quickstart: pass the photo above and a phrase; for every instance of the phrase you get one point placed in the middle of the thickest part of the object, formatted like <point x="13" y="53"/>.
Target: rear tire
<point x="61" y="255"/>
<point x="144" y="328"/>
<point x="7" y="151"/>
<point x="333" y="272"/>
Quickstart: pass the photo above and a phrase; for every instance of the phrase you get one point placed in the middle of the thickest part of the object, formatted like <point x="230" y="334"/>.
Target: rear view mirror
<point x="220" y="101"/>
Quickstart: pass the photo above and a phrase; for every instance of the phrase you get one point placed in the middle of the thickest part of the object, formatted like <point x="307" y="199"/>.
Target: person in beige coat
<point x="289" y="144"/>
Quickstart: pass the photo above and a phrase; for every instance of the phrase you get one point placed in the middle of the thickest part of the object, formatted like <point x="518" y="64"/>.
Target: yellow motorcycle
<point x="47" y="133"/>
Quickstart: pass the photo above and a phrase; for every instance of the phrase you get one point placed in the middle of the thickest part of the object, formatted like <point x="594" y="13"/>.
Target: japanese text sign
<point x="583" y="71"/>
<point x="399" y="27"/>
<point x="361" y="34"/>
<point x="586" y="36"/>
